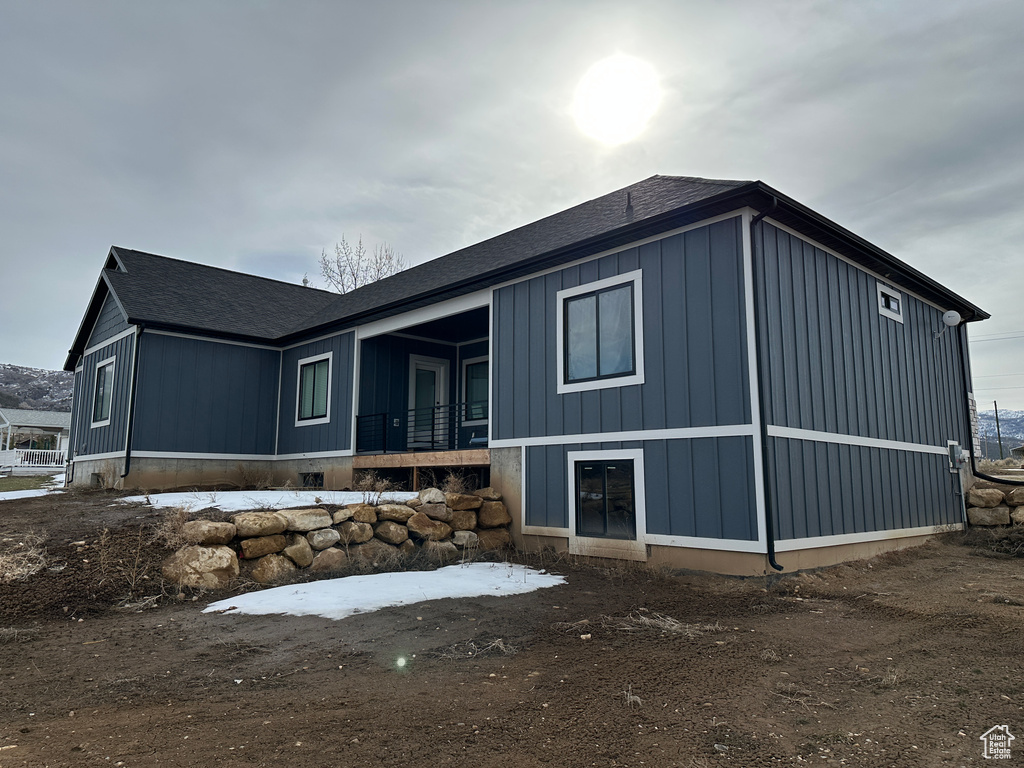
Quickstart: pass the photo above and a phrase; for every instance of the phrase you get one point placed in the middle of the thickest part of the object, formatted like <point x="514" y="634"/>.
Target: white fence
<point x="28" y="462"/>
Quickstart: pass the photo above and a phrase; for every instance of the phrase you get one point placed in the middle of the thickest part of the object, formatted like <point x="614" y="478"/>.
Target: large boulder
<point x="273" y="569"/>
<point x="1017" y="515"/>
<point x="201" y="567"/>
<point x="343" y="514"/>
<point x="391" y="532"/>
<point x="988" y="515"/>
<point x="431" y="496"/>
<point x="329" y="560"/>
<point x="463" y="520"/>
<point x="442" y="551"/>
<point x="488" y="494"/>
<point x="460" y="501"/>
<point x="984" y="497"/>
<point x="1015" y="498"/>
<point x="493" y="514"/>
<point x="263" y="545"/>
<point x="494" y="538"/>
<point x="436" y="511"/>
<point x="249" y="524"/>
<point x="352" y="532"/>
<point x="399" y="513"/>
<point x="303" y="520"/>
<point x="377" y="552"/>
<point x="364" y="513"/>
<point x="207" y="532"/>
<point x="464" y="539"/>
<point x="323" y="538"/>
<point x="407" y="547"/>
<point x="298" y="550"/>
<point x="423" y="527"/>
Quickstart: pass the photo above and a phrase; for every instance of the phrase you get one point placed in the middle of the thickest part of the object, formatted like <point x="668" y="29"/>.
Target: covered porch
<point x="424" y="388"/>
<point x="33" y="442"/>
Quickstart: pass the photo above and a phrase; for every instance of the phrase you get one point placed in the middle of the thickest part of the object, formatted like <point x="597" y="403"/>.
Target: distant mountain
<point x="1011" y="427"/>
<point x="35" y="388"/>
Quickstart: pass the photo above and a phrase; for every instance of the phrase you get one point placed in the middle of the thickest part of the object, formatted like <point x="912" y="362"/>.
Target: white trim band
<point x="680" y="433"/>
<point x="865" y="442"/>
<point x="107" y="342"/>
<point x="816" y="542"/>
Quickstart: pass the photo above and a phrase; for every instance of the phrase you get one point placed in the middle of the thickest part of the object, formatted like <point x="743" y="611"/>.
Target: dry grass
<point x="642" y="620"/>
<point x="456" y="482"/>
<point x="254" y="478"/>
<point x="471" y="650"/>
<point x="373" y="487"/>
<point x="22" y="558"/>
<point x="170" y="531"/>
<point x="16" y="635"/>
<point x="770" y="656"/>
<point x="1005" y="541"/>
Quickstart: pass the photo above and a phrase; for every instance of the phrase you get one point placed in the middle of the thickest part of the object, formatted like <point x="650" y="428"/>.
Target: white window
<point x="607" y="508"/>
<point x="313" y="398"/>
<point x="890" y="303"/>
<point x="600" y="334"/>
<point x="102" y="391"/>
<point x="474" y="391"/>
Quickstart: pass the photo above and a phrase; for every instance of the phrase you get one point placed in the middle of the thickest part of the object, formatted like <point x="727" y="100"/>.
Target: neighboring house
<point x="690" y="371"/>
<point x="24" y="428"/>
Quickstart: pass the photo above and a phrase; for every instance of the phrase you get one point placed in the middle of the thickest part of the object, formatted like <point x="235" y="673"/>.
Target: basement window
<point x="890" y="303"/>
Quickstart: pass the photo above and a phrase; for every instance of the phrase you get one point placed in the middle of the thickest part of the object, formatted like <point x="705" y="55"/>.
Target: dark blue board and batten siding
<point x="204" y="397"/>
<point x="336" y="435"/>
<point x="702" y="487"/>
<point x="832" y="363"/>
<point x="111" y="321"/>
<point x="695" y="349"/>
<point x="89" y="440"/>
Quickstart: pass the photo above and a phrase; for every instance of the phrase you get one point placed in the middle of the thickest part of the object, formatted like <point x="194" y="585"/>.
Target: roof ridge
<point x="121" y="249"/>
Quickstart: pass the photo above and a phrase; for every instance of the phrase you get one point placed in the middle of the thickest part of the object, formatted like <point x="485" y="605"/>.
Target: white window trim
<point x="600" y="547"/>
<point x="465" y="364"/>
<point x="329" y="357"/>
<point x="634" y="277"/>
<point x="111" y="361"/>
<point x="882" y="288"/>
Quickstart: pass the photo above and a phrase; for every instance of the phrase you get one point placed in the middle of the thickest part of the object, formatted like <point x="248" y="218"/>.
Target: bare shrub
<point x="170" y="531"/>
<point x="22" y="559"/>
<point x="373" y="487"/>
<point x="770" y="656"/>
<point x="456" y="482"/>
<point x="253" y="478"/>
<point x="892" y="678"/>
<point x="632" y="700"/>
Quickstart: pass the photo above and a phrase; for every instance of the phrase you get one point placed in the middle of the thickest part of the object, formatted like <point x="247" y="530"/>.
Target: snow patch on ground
<point x="11" y="495"/>
<point x="340" y="598"/>
<point x="239" y="501"/>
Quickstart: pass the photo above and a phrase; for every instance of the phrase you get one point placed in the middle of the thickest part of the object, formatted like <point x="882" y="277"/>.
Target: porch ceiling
<point x="465" y="326"/>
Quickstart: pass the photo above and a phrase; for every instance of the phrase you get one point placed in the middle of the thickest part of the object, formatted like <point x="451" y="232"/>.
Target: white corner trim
<point x="865" y="442"/>
<point x="329" y="357"/>
<point x="815" y="542"/>
<point x="753" y="386"/>
<point x="587" y="545"/>
<point x="112" y="362"/>
<point x="882" y="289"/>
<point x="636" y="278"/>
<point x="107" y="342"/>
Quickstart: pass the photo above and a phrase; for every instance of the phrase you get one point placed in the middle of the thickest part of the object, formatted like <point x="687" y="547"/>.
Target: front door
<point x="428" y="394"/>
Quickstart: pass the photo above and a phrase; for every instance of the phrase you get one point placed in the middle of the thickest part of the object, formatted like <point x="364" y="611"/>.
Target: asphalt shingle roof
<point x="23" y="417"/>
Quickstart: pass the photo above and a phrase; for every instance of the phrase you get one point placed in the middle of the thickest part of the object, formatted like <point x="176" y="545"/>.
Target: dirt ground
<point x="900" y="661"/>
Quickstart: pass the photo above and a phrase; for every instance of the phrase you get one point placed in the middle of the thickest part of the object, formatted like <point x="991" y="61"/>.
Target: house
<point x="700" y="372"/>
<point x="33" y="442"/>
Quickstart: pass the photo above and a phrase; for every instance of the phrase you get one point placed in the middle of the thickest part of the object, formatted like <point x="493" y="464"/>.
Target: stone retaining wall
<point x="989" y="504"/>
<point x="325" y="539"/>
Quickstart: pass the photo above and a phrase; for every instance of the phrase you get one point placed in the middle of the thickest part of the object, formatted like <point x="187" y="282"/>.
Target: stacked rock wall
<point x="991" y="505"/>
<point x="326" y="539"/>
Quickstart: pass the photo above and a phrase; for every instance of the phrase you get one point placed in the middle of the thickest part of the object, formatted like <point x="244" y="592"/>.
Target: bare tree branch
<point x="351" y="267"/>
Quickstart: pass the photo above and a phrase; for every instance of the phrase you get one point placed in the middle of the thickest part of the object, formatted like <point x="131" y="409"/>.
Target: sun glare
<point x="616" y="98"/>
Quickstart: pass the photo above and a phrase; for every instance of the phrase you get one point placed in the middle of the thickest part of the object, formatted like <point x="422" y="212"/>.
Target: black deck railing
<point x="441" y="428"/>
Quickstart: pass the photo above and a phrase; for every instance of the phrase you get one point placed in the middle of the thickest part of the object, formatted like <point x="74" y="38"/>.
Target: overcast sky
<point x="252" y="135"/>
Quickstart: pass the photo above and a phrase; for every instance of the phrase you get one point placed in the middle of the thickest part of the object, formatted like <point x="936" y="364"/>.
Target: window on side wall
<point x="600" y="334"/>
<point x="314" y="391"/>
<point x="474" y="390"/>
<point x="102" y="392"/>
<point x="890" y="302"/>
